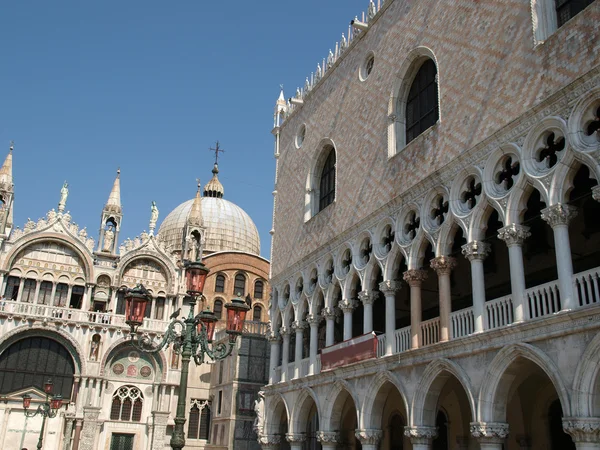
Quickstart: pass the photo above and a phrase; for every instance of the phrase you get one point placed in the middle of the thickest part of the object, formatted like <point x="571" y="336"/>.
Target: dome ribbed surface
<point x="228" y="227"/>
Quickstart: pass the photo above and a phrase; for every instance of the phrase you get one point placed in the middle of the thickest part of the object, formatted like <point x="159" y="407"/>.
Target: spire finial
<point x="217" y="149"/>
<point x="118" y="172"/>
<point x="12" y="146"/>
<point x="199" y="185"/>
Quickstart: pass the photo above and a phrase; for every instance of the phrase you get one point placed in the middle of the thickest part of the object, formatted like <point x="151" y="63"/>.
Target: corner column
<point x="367" y="299"/>
<point x="514" y="236"/>
<point x="329" y="316"/>
<point x="285" y="352"/>
<point x="389" y="289"/>
<point x="491" y="436"/>
<point x="369" y="438"/>
<point x="585" y="432"/>
<point x="329" y="439"/>
<point x="296" y="440"/>
<point x="558" y="217"/>
<point x="347" y="306"/>
<point x="443" y="266"/>
<point x="91" y="425"/>
<point x="68" y="433"/>
<point x="476" y="252"/>
<point x="313" y="321"/>
<point x="274" y="340"/>
<point x="421" y="437"/>
<point x="159" y="429"/>
<point x="36" y="296"/>
<point x="415" y="278"/>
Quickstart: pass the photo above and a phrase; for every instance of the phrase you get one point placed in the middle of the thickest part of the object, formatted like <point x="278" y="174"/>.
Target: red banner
<point x="350" y="351"/>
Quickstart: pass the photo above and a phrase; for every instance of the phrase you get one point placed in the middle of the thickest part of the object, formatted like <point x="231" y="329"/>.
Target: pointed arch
<point x="498" y="379"/>
<point x="425" y="400"/>
<point x="417" y="250"/>
<point x="302" y="408"/>
<point x="334" y="402"/>
<point x="374" y="399"/>
<point x="275" y="405"/>
<point x="586" y="384"/>
<point x="393" y="262"/>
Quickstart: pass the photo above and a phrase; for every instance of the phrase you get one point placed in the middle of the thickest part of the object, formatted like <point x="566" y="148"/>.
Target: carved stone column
<point x="514" y="236"/>
<point x="329" y="439"/>
<point x="90" y="429"/>
<point x="313" y="322"/>
<point x="269" y="441"/>
<point x="491" y="436"/>
<point x="415" y="278"/>
<point x="369" y="438"/>
<point x="421" y="437"/>
<point x="77" y="437"/>
<point x="159" y="429"/>
<point x="367" y="298"/>
<point x="329" y="316"/>
<point x="389" y="289"/>
<point x="274" y="340"/>
<point x="285" y="352"/>
<point x="21" y="285"/>
<point x="585" y="432"/>
<point x="476" y="252"/>
<point x="295" y="440"/>
<point x="298" y="327"/>
<point x="347" y="306"/>
<point x="443" y="266"/>
<point x="68" y="433"/>
<point x="558" y="217"/>
<point x="36" y="296"/>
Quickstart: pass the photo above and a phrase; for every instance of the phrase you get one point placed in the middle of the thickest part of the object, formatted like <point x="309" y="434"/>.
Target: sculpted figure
<point x="109" y="237"/>
<point x="153" y="216"/>
<point x="64" y="193"/>
<point x="259" y="409"/>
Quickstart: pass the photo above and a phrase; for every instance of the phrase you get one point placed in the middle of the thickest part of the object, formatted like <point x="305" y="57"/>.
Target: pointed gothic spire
<point x="114" y="199"/>
<point x="281" y="99"/>
<point x="195" y="217"/>
<point x="6" y="170"/>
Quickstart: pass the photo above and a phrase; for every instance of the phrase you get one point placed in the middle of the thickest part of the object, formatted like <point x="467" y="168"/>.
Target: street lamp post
<point x="191" y="337"/>
<point x="49" y="408"/>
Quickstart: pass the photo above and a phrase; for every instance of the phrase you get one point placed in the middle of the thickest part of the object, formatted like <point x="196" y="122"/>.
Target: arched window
<point x="30" y="362"/>
<point x="258" y="289"/>
<point x="127" y="404"/>
<point x="239" y="287"/>
<point x="121" y="301"/>
<point x="199" y="421"/>
<point x="60" y="296"/>
<point x="218" y="308"/>
<point x="422" y="103"/>
<point x="45" y="293"/>
<point x="257" y="314"/>
<point x="566" y="9"/>
<point x="12" y="288"/>
<point x="220" y="283"/>
<point x="28" y="291"/>
<point x="327" y="181"/>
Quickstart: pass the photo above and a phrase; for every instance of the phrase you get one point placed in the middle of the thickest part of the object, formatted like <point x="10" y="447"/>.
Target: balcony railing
<point x="540" y="301"/>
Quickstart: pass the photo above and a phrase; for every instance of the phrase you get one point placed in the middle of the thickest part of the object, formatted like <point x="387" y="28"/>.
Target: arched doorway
<point x="307" y="422"/>
<point x="388" y="413"/>
<point x="344" y="418"/>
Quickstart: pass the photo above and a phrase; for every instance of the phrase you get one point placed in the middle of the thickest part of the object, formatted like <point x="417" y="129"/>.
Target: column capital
<point x="368" y="436"/>
<point x="269" y="440"/>
<point x="559" y="214"/>
<point x="295" y="438"/>
<point x="390" y="287"/>
<point x="514" y="234"/>
<point x="421" y="435"/>
<point x="328" y="437"/>
<point x="582" y="429"/>
<point x="366" y="297"/>
<point x="489" y="431"/>
<point x="443" y="265"/>
<point x="285" y="331"/>
<point x="414" y="277"/>
<point x="346" y="305"/>
<point x="328" y="313"/>
<point x="299" y="325"/>
<point x="476" y="250"/>
<point x="596" y="193"/>
<point x="313" y="319"/>
<point x="273" y="337"/>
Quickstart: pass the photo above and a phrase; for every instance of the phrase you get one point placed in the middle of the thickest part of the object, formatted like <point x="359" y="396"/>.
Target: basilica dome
<point x="228" y="227"/>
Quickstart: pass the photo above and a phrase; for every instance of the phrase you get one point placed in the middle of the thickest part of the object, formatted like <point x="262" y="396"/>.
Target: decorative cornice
<point x="368" y="436"/>
<point x="476" y="250"/>
<point x="414" y="277"/>
<point x="559" y="214"/>
<point x="295" y="438"/>
<point x="443" y="265"/>
<point x="489" y="431"/>
<point x="514" y="234"/>
<point x="328" y="437"/>
<point x="390" y="287"/>
<point x="582" y="429"/>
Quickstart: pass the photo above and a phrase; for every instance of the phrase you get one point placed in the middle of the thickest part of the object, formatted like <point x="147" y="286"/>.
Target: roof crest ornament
<point x="216" y="150"/>
<point x="64" y="193"/>
<point x="153" y="217"/>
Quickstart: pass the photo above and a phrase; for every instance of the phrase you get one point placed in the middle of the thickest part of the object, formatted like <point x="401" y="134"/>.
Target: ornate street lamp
<point x="49" y="408"/>
<point x="191" y="337"/>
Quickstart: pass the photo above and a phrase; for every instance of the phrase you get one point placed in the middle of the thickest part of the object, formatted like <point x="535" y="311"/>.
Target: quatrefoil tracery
<point x="470" y="195"/>
<point x="438" y="213"/>
<point x="550" y="152"/>
<point x="508" y="172"/>
<point x="412" y="225"/>
<point x="594" y="125"/>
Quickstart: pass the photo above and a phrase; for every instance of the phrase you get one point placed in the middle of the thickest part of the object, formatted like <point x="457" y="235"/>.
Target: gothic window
<point x="77" y="297"/>
<point x="120" y="301"/>
<point x="30" y="362"/>
<point x="127" y="404"/>
<point x="159" y="310"/>
<point x="257" y="314"/>
<point x="422" y="102"/>
<point x="220" y="283"/>
<point x="199" y="420"/>
<point x="239" y="288"/>
<point x="60" y="296"/>
<point x="327" y="181"/>
<point x="45" y="293"/>
<point x="12" y="288"/>
<point x="258" y="289"/>
<point x="28" y="291"/>
<point x="218" y="308"/>
<point x="566" y="9"/>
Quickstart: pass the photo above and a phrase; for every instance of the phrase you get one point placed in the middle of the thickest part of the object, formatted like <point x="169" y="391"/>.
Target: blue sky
<point x="149" y="86"/>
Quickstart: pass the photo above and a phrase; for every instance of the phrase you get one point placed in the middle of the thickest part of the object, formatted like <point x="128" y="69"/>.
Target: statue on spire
<point x="64" y="193"/>
<point x="153" y="217"/>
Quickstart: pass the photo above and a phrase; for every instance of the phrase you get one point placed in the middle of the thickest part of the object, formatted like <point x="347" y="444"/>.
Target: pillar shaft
<point x="476" y="252"/>
<point x="329" y="326"/>
<point x="415" y="278"/>
<point x="389" y="289"/>
<point x="514" y="236"/>
<point x="347" y="306"/>
<point x="443" y="266"/>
